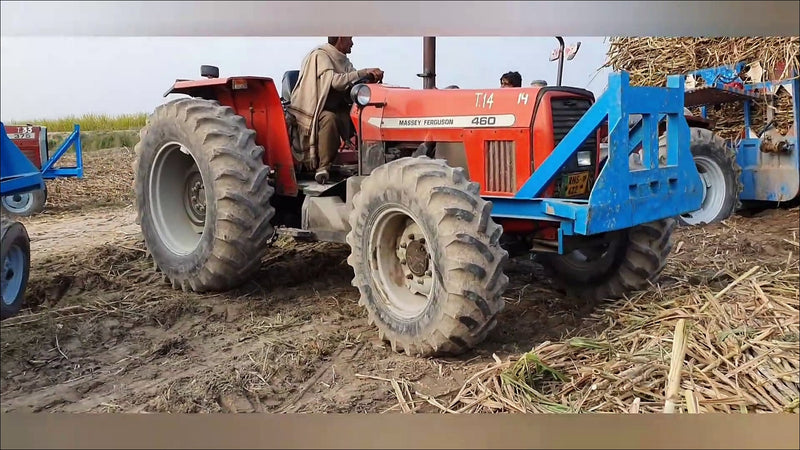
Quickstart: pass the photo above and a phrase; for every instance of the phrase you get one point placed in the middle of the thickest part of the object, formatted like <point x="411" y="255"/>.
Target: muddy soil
<point x="102" y="331"/>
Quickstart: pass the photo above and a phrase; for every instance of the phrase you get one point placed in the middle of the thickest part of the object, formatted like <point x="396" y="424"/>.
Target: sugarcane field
<point x="108" y="323"/>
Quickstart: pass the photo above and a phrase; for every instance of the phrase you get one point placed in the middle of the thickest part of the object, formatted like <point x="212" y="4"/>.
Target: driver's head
<point x="511" y="79"/>
<point x="342" y="43"/>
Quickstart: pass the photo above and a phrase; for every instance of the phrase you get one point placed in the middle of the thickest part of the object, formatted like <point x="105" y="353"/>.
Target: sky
<point x="53" y="77"/>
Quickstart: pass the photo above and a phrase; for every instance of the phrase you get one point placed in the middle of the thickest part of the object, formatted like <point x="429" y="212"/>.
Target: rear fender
<point x="256" y="99"/>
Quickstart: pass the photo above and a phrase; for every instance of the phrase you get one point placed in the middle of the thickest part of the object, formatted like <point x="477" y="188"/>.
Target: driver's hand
<point x="377" y="74"/>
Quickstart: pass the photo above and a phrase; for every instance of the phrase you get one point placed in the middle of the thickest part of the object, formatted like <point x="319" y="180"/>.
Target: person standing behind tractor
<point x="319" y="101"/>
<point x="511" y="79"/>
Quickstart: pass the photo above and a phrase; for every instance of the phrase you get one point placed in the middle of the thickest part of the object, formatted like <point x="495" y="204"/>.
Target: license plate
<point x="576" y="184"/>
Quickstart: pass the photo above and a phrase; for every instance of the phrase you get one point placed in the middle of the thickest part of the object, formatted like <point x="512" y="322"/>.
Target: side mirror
<point x="572" y="50"/>
<point x="569" y="52"/>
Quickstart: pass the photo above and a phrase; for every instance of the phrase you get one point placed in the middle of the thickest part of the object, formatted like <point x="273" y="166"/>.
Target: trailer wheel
<point x="632" y="259"/>
<point x="26" y="204"/>
<point x="15" y="264"/>
<point x="721" y="176"/>
<point x="202" y="196"/>
<point x="426" y="257"/>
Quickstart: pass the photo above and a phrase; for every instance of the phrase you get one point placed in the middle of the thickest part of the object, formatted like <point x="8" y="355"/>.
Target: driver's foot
<point x="322" y="176"/>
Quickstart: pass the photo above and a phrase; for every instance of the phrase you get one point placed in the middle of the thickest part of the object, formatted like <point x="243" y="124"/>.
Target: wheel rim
<point x="13" y="271"/>
<point x="18" y="203"/>
<point x="400" y="262"/>
<point x="177" y="199"/>
<point x="713" y="195"/>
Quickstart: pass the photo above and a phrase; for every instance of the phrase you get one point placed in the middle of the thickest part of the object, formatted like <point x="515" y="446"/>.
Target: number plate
<point x="576" y="184"/>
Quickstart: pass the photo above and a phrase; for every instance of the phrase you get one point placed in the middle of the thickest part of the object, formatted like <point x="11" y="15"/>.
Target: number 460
<point x="484" y="120"/>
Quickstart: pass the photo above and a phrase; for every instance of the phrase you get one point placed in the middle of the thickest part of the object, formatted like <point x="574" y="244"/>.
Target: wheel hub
<point x="417" y="257"/>
<point x="196" y="199"/>
<point x="12" y="272"/>
<point x="18" y="202"/>
<point x="415" y="260"/>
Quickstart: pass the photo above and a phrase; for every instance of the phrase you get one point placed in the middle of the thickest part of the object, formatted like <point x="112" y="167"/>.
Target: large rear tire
<point x="26" y="204"/>
<point x="202" y="195"/>
<point x="721" y="176"/>
<point x="15" y="264"/>
<point x="426" y="257"/>
<point x="633" y="259"/>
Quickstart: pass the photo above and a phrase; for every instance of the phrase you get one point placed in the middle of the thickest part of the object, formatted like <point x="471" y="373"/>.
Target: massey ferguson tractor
<point x="441" y="187"/>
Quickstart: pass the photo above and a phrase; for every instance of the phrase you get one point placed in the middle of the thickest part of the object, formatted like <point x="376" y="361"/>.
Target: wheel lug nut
<point x="411" y="237"/>
<point x="409" y="276"/>
<point x="403" y="245"/>
<point x="403" y="262"/>
<point x="420" y="281"/>
<point x="428" y="273"/>
<point x="422" y="241"/>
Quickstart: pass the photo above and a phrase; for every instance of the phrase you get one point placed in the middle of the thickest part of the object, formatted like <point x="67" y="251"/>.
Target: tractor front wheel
<point x="630" y="260"/>
<point x="15" y="264"/>
<point x="426" y="257"/>
<point x="202" y="195"/>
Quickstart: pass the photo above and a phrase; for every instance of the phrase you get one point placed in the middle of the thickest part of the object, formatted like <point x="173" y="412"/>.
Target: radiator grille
<point x="566" y="113"/>
<point x="500" y="167"/>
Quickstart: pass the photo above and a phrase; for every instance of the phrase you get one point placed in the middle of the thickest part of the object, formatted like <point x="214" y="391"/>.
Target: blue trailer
<point x="18" y="176"/>
<point x="760" y="166"/>
<point x="31" y="143"/>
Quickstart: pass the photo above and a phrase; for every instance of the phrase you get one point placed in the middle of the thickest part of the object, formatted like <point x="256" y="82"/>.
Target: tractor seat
<point x="288" y="83"/>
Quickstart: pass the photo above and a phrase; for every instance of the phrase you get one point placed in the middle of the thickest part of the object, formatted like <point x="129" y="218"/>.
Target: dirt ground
<point x="104" y="333"/>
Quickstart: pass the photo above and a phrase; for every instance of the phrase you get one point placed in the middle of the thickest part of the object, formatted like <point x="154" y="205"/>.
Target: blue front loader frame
<point x="622" y="197"/>
<point x="18" y="175"/>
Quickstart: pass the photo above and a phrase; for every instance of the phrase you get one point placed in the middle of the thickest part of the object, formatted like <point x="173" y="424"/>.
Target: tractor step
<point x="311" y="188"/>
<point x="297" y="233"/>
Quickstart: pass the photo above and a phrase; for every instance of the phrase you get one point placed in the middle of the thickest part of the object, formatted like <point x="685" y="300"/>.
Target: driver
<point x="320" y="100"/>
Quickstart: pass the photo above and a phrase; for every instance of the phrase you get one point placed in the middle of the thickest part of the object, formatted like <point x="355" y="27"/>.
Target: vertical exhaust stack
<point x="428" y="74"/>
<point x="560" y="59"/>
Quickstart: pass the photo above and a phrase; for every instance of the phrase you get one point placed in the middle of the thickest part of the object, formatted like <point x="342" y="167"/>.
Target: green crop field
<point x="89" y="122"/>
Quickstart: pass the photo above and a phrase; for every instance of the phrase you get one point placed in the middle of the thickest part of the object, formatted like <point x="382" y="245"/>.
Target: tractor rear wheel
<point x="426" y="257"/>
<point x="26" y="204"/>
<point x="202" y="195"/>
<point x="15" y="264"/>
<point x="631" y="260"/>
<point x="721" y="177"/>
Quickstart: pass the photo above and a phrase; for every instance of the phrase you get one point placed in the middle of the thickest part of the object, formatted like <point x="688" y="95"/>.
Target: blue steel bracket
<point x="17" y="174"/>
<point x="49" y="172"/>
<point x="623" y="196"/>
<point x="720" y="75"/>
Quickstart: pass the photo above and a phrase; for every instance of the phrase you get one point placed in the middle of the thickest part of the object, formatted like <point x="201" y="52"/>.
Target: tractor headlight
<point x="585" y="158"/>
<point x="360" y="94"/>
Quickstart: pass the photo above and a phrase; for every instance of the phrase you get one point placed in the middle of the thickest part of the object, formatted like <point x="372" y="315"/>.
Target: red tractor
<point x="441" y="188"/>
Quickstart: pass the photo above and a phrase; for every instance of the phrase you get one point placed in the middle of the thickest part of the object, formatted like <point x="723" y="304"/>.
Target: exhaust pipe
<point x="428" y="74"/>
<point x="560" y="59"/>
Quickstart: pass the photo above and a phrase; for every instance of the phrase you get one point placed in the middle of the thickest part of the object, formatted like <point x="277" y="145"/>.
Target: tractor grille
<point x="500" y="167"/>
<point x="566" y="113"/>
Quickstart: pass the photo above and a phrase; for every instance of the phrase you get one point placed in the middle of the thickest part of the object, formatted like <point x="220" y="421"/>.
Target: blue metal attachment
<point x="17" y="174"/>
<point x="49" y="172"/>
<point x="766" y="175"/>
<point x="624" y="195"/>
<point x="770" y="176"/>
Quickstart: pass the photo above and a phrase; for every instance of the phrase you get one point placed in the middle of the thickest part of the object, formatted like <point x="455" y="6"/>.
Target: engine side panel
<point x="506" y="133"/>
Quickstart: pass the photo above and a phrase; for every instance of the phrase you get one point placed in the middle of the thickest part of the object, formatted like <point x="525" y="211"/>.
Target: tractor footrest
<point x="297" y="233"/>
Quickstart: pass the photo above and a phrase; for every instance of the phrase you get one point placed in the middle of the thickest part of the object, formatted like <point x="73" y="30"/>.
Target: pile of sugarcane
<point x="649" y="60"/>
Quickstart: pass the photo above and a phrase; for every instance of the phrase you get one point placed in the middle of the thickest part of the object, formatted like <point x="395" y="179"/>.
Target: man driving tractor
<point x="320" y="101"/>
